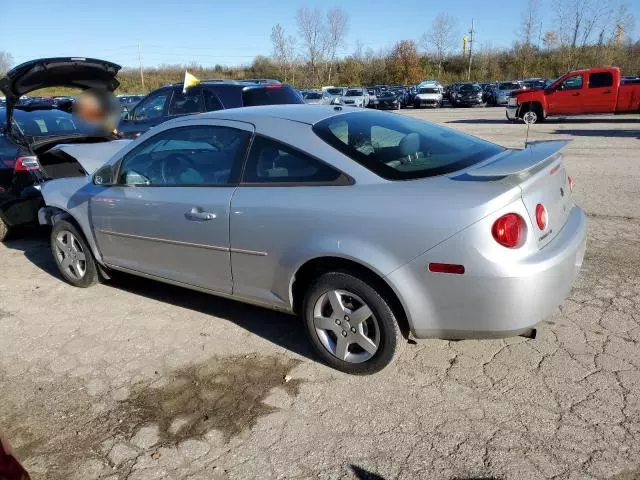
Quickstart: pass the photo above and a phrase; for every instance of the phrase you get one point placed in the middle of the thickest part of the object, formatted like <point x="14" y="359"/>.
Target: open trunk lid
<point x="540" y="173"/>
<point x="78" y="72"/>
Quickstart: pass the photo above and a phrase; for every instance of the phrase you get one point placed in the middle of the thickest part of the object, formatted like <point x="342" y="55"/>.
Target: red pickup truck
<point x="594" y="90"/>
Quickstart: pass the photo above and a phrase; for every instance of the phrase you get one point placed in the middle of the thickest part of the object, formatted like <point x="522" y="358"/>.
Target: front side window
<point x="152" y="107"/>
<point x="572" y="83"/>
<point x="185" y="103"/>
<point x="396" y="147"/>
<point x="600" y="80"/>
<point x="198" y="155"/>
<point x="273" y="162"/>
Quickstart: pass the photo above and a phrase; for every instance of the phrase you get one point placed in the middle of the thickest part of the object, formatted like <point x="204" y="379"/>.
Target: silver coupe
<point x="371" y="226"/>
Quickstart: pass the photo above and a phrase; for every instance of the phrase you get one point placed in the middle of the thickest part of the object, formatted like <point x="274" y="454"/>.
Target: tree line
<point x="584" y="33"/>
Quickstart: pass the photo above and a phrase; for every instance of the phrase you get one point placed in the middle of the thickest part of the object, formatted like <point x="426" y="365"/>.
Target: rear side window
<point x="600" y="79"/>
<point x="273" y="162"/>
<point x="270" y="95"/>
<point x="396" y="147"/>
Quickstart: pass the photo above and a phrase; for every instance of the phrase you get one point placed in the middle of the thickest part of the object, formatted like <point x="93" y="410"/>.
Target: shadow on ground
<point x="282" y="329"/>
<point x="599" y="133"/>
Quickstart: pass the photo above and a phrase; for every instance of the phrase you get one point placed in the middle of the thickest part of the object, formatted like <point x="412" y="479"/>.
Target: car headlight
<point x="512" y="102"/>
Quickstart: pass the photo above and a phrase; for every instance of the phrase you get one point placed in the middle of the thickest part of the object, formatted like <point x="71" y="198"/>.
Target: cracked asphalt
<point x="140" y="380"/>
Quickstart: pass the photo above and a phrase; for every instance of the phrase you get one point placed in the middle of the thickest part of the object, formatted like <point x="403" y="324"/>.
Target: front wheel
<point x="532" y="116"/>
<point x="72" y="255"/>
<point x="351" y="326"/>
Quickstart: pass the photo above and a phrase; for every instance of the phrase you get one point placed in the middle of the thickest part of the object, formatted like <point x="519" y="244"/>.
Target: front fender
<point x="70" y="196"/>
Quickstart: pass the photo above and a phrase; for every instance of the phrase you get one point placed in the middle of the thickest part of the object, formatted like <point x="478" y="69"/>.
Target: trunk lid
<point x="540" y="173"/>
<point x="75" y="72"/>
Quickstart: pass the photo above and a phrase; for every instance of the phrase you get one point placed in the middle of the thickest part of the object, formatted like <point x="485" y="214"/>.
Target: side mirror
<point x="104" y="176"/>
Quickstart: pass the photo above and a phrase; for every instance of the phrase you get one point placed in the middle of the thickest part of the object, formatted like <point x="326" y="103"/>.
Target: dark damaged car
<point x="38" y="142"/>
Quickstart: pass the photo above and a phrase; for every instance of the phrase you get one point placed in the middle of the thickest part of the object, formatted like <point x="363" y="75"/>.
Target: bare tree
<point x="441" y="38"/>
<point x="336" y="32"/>
<point x="6" y="61"/>
<point x="577" y="20"/>
<point x="284" y="48"/>
<point x="530" y="23"/>
<point x="312" y="31"/>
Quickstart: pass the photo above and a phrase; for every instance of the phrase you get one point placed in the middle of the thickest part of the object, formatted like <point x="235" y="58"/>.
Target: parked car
<point x="373" y="97"/>
<point x="357" y="97"/>
<point x="273" y="206"/>
<point x="533" y="83"/>
<point x="402" y="94"/>
<point x="388" y="100"/>
<point x="170" y="101"/>
<point x="502" y="92"/>
<point x="594" y="90"/>
<point x="467" y="95"/>
<point x="312" y="98"/>
<point x="31" y="130"/>
<point x="428" y="97"/>
<point x="333" y="94"/>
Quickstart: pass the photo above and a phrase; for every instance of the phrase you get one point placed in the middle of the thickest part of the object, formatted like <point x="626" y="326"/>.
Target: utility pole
<point x="470" y="50"/>
<point x="140" y="63"/>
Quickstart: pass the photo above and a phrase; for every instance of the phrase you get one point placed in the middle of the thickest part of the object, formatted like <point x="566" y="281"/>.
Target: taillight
<point x="570" y="182"/>
<point x="24" y="164"/>
<point x="508" y="230"/>
<point x="541" y="216"/>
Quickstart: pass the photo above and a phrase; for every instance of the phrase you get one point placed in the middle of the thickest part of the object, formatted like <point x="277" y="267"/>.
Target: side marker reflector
<point x="446" y="268"/>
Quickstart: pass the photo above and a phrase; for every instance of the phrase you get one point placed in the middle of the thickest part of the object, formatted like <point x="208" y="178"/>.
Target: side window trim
<point x="342" y="180"/>
<point x="235" y="176"/>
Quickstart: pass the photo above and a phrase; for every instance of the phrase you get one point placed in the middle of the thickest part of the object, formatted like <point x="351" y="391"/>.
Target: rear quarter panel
<point x="628" y="99"/>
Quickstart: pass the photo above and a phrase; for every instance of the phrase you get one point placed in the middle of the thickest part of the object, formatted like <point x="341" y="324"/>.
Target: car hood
<point x="91" y="155"/>
<point x="75" y="72"/>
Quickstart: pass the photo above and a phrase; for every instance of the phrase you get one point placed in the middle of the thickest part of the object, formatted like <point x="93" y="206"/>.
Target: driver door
<point x="167" y="215"/>
<point x="566" y="99"/>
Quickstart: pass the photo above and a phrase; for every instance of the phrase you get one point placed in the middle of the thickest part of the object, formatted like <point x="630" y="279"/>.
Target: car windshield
<point x="273" y="94"/>
<point x="335" y="91"/>
<point x="396" y="147"/>
<point x="429" y="90"/>
<point x="48" y="123"/>
<point x="313" y="96"/>
<point x="470" y="88"/>
<point x="353" y="93"/>
<point x="508" y="86"/>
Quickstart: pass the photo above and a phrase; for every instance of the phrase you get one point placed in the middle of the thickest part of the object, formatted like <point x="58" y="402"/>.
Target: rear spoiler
<point x="516" y="162"/>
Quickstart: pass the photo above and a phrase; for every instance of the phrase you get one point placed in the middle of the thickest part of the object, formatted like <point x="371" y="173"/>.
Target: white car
<point x="428" y="96"/>
<point x="356" y="97"/>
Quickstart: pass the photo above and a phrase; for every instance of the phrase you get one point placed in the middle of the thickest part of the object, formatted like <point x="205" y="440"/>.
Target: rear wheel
<point x="351" y="326"/>
<point x="72" y="255"/>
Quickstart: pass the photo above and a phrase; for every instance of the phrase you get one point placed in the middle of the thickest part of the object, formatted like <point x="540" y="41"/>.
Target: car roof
<point x="309" y="114"/>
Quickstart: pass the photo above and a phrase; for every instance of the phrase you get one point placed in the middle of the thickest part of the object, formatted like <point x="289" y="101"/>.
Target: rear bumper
<point x="495" y="297"/>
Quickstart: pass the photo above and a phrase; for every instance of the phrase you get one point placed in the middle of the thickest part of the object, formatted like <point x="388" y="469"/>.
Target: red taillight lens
<point x="541" y="216"/>
<point x="570" y="182"/>
<point x="508" y="230"/>
<point x="24" y="164"/>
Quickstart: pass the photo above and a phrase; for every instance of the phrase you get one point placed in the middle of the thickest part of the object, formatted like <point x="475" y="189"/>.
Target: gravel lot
<point x="140" y="380"/>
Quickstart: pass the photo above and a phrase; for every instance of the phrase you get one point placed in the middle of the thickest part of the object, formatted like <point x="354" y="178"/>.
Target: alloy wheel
<point x="346" y="326"/>
<point x="70" y="255"/>
<point x="530" y="117"/>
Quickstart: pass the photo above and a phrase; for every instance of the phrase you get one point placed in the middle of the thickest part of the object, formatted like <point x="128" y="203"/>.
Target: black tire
<point x="391" y="339"/>
<point x="4" y="230"/>
<point x="90" y="276"/>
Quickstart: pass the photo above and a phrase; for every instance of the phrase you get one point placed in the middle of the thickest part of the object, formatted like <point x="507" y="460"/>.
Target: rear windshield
<point x="47" y="123"/>
<point x="508" y="86"/>
<point x="396" y="147"/>
<point x="429" y="90"/>
<point x="270" y="95"/>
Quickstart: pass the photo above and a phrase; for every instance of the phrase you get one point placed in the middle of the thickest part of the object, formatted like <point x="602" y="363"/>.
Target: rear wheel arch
<point x="311" y="270"/>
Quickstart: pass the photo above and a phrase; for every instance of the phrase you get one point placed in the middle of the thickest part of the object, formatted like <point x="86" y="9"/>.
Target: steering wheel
<point x="174" y="158"/>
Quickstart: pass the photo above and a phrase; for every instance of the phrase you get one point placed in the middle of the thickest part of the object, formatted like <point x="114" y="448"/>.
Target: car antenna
<point x="526" y="137"/>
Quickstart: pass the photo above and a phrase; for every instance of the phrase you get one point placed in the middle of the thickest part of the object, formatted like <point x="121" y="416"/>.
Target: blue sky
<point x="227" y="31"/>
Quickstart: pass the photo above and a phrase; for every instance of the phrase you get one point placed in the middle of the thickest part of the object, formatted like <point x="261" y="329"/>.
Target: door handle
<point x="575" y="95"/>
<point x="606" y="92"/>
<point x="197" y="215"/>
